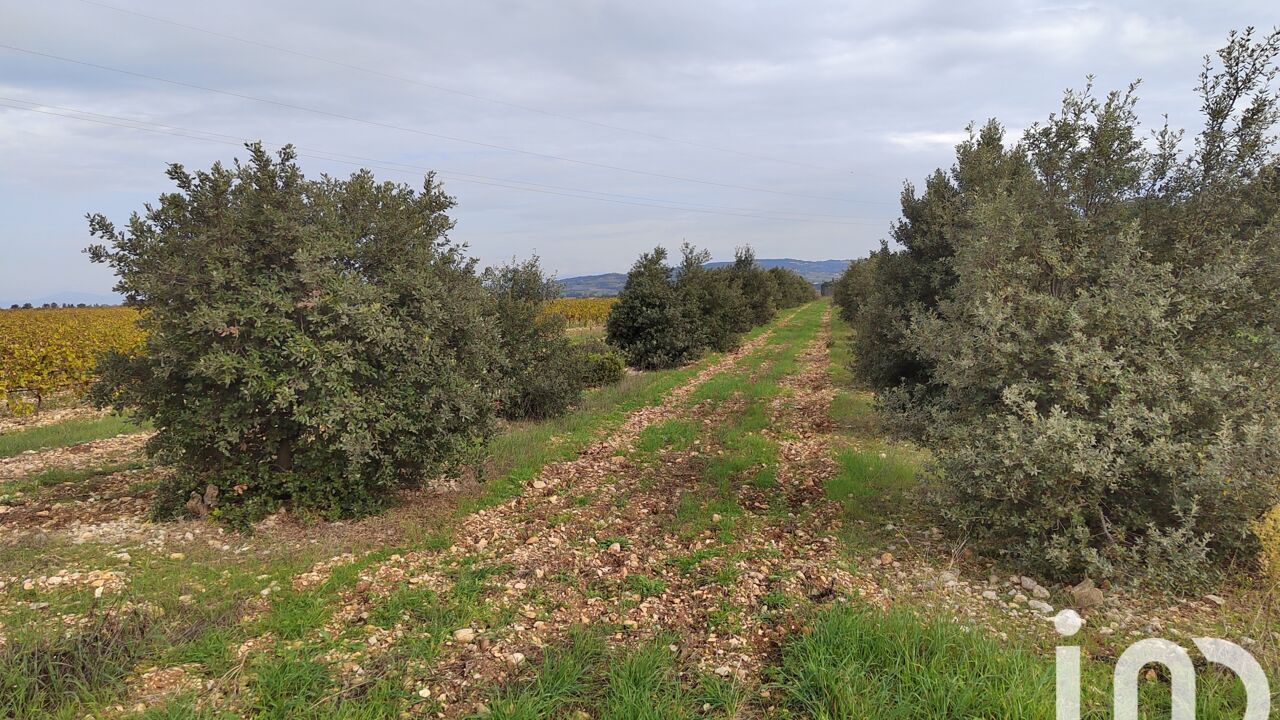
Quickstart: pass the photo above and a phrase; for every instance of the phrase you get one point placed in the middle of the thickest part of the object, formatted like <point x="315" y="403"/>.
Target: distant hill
<point x="66" y="298"/>
<point x="815" y="271"/>
<point x="593" y="285"/>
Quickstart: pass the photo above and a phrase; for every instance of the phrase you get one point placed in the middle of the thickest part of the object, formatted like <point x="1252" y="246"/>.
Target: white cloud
<point x="925" y="140"/>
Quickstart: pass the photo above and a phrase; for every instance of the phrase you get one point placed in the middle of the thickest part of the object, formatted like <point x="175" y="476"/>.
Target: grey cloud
<point x="877" y="92"/>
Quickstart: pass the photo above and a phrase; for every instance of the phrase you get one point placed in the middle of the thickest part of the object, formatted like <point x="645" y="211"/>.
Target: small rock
<point x="723" y="671"/>
<point x="990" y="595"/>
<point x="1040" y="606"/>
<point x="1216" y="600"/>
<point x="464" y="635"/>
<point x="715" y="517"/>
<point x="886" y="559"/>
<point x="947" y="577"/>
<point x="1040" y="591"/>
<point x="515" y="659"/>
<point x="538" y="484"/>
<point x="177" y="556"/>
<point x="1086" y="594"/>
<point x="1019" y="598"/>
<point x="615" y="548"/>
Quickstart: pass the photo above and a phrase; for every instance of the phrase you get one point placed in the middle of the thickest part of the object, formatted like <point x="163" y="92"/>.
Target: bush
<point x="665" y="317"/>
<point x="1099" y="349"/>
<point x="597" y="364"/>
<point x="538" y="365"/>
<point x="651" y="323"/>
<point x="710" y="296"/>
<point x="790" y="289"/>
<point x="317" y="343"/>
<point x="756" y="288"/>
<point x="879" y="295"/>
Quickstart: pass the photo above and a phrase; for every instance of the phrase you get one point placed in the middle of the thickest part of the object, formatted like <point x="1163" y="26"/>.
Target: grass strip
<point x="70" y="432"/>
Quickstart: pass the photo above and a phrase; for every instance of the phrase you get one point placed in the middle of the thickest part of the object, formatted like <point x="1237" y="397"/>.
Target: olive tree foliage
<point x="666" y="316"/>
<point x="1092" y="345"/>
<point x="711" y="298"/>
<point x="539" y="367"/>
<point x="878" y="296"/>
<point x="651" y="323"/>
<point x="790" y="289"/>
<point x="755" y="287"/>
<point x="316" y="343"/>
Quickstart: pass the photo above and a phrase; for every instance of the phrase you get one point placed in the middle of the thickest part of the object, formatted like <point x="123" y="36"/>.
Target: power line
<point x="407" y="168"/>
<point x="455" y="91"/>
<point x="419" y="131"/>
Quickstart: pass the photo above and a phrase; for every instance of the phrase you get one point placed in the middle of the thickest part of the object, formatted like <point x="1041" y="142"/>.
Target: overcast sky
<point x="695" y="107"/>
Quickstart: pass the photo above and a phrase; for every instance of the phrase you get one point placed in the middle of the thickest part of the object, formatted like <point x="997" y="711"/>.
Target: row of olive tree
<point x="320" y="343"/>
<point x="668" y="316"/>
<point x="1085" y="327"/>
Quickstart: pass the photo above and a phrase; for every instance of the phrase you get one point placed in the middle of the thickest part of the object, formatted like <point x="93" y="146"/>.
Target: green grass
<point x="856" y="662"/>
<point x="859" y="662"/>
<point x="645" y="586"/>
<point x="676" y="435"/>
<point x="70" y="432"/>
<point x="876" y="477"/>
<point x="870" y="482"/>
<point x="62" y="476"/>
<point x="747" y="456"/>
<point x="619" y="683"/>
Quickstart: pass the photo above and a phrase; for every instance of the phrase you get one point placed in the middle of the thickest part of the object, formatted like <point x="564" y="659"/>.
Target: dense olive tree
<point x="651" y="323"/>
<point x="756" y="288"/>
<point x="1101" y="346"/>
<point x="711" y="298"/>
<point x="312" y="342"/>
<point x="540" y="373"/>
<point x="880" y="297"/>
<point x="789" y="288"/>
<point x="668" y="316"/>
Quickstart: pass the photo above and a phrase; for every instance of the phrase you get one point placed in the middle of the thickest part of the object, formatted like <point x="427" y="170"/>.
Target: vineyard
<point x="582" y="311"/>
<point x="47" y="350"/>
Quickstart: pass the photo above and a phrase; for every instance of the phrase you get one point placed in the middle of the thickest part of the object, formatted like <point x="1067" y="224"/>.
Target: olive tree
<point x="309" y="342"/>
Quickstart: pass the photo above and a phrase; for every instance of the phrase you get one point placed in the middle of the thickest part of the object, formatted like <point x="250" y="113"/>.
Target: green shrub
<point x="1100" y="372"/>
<point x="317" y="343"/>
<point x="756" y="288"/>
<point x="539" y="372"/>
<point x="711" y="297"/>
<point x="651" y="323"/>
<point x="597" y="364"/>
<point x="790" y="289"/>
<point x="879" y="295"/>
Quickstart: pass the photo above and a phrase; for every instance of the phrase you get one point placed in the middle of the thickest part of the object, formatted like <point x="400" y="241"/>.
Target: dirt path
<point x="597" y="541"/>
